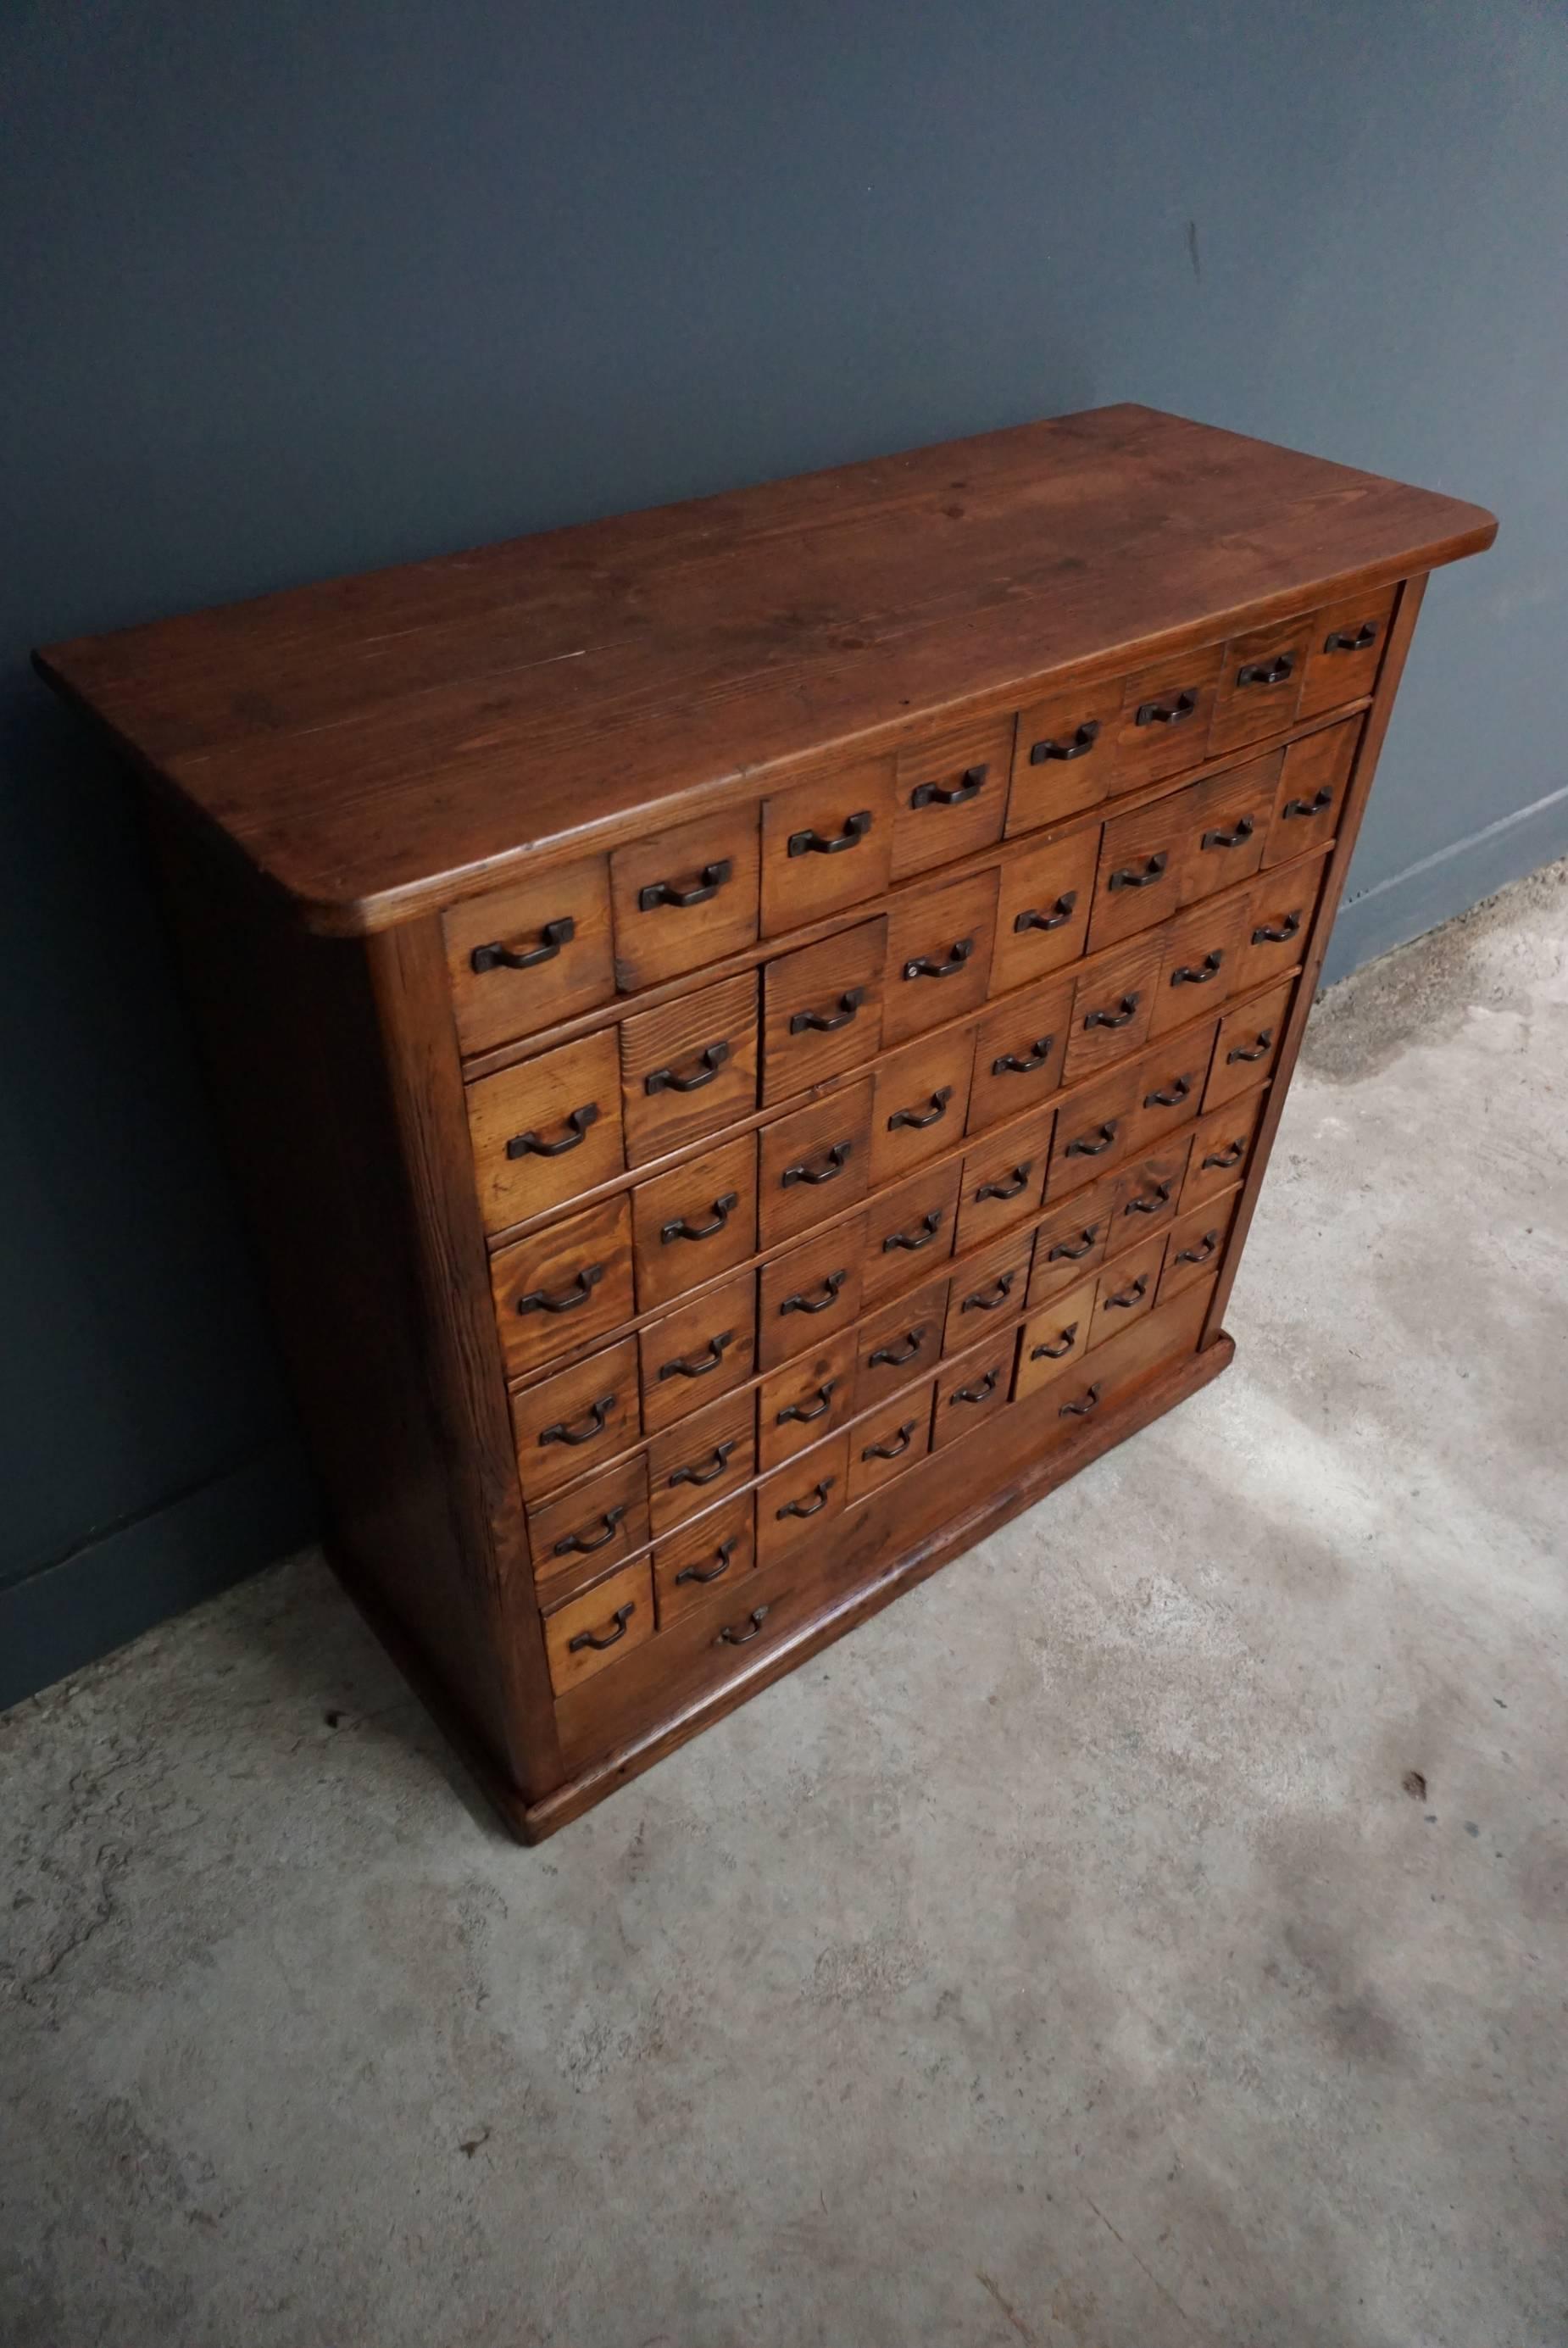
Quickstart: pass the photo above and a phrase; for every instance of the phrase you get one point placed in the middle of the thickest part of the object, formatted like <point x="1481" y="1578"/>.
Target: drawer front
<point x="1171" y="1088"/>
<point x="1345" y="651"/>
<point x="1121" y="1364"/>
<point x="950" y="795"/>
<point x="601" y="1627"/>
<point x="1138" y="875"/>
<point x="1020" y="1047"/>
<point x="827" y="843"/>
<point x="705" y="1455"/>
<point x="569" y="1423"/>
<point x="815" y="1162"/>
<point x="822" y="1010"/>
<point x="1248" y="1045"/>
<point x="1229" y="822"/>
<point x="897" y="1344"/>
<point x="1277" y="921"/>
<point x="564" y="1285"/>
<point x="1042" y="910"/>
<point x="1164" y="719"/>
<point x="1092" y="1131"/>
<point x="803" y="1500"/>
<point x="688" y="1067"/>
<point x="547" y="1130"/>
<point x="524" y="957"/>
<point x="1260" y="677"/>
<point x="698" y="1352"/>
<point x="695" y="1222"/>
<point x="1112" y="1007"/>
<point x="1064" y="755"/>
<point x="988" y="1288"/>
<point x="1222" y="1146"/>
<point x="1004" y="1181"/>
<point x="1195" y="1245"/>
<point x="1125" y="1290"/>
<point x="683" y="897"/>
<point x="705" y="1559"/>
<point x="1147" y="1193"/>
<point x="920" y="1101"/>
<point x="1072" y="1243"/>
<point x="938" y="956"/>
<point x="810" y="1397"/>
<point x="1200" y="963"/>
<point x="1052" y="1339"/>
<point x="809" y="1295"/>
<point x="909" y="1230"/>
<point x="576" y="1535"/>
<point x="895" y="1440"/>
<point x="972" y="1391"/>
<point x="1309" y="801"/>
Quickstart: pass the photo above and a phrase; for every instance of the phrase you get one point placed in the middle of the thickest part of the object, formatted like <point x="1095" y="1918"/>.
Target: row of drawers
<point x="563" y="941"/>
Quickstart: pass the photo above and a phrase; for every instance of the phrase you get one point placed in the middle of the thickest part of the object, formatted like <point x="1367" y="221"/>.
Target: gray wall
<point x="300" y="288"/>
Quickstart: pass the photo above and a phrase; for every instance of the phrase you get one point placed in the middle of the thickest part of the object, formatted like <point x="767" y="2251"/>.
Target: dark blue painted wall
<point x="299" y="288"/>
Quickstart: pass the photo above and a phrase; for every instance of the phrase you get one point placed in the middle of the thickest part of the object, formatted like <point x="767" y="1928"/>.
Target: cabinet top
<point x="379" y="744"/>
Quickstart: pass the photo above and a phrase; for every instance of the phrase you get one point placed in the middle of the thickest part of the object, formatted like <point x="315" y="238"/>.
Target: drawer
<point x="812" y="1292"/>
<point x="810" y="1397"/>
<point x="1043" y="908"/>
<point x="894" y="1438"/>
<point x="1200" y="962"/>
<point x="694" y="1222"/>
<point x="1138" y="874"/>
<point x="1092" y="1130"/>
<point x="1248" y="1045"/>
<point x="1277" y="921"/>
<point x="1147" y="1193"/>
<point x="827" y="843"/>
<point x="1163" y="723"/>
<point x="1112" y="1006"/>
<point x="920" y="1099"/>
<point x="1119" y="1366"/>
<point x="601" y="1627"/>
<point x="988" y="1290"/>
<point x="1196" y="1243"/>
<point x="895" y="1344"/>
<point x="1345" y="651"/>
<point x="815" y="1162"/>
<point x="1019" y="1047"/>
<point x="683" y="897"/>
<point x="950" y="795"/>
<point x="523" y="958"/>
<point x="1171" y="1087"/>
<point x="710" y="1453"/>
<point x="1260" y="677"/>
<point x="822" y="1010"/>
<point x="803" y="1500"/>
<point x="598" y="1522"/>
<point x="706" y="1559"/>
<point x="698" y="1352"/>
<point x="564" y="1285"/>
<point x="1052" y="1339"/>
<point x="688" y="1067"/>
<point x="1229" y="822"/>
<point x="1309" y="800"/>
<point x="972" y="1391"/>
<point x="1125" y="1290"/>
<point x="547" y="1130"/>
<point x="1005" y="1179"/>
<point x="909" y="1229"/>
<point x="1063" y="755"/>
<point x="569" y="1423"/>
<point x="1072" y="1242"/>
<point x="1222" y="1145"/>
<point x="938" y="956"/>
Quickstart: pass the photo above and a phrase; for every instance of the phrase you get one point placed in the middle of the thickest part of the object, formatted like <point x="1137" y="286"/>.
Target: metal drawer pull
<point x="1269" y="672"/>
<point x="924" y="1231"/>
<point x="725" y="1551"/>
<point x="1060" y="1349"/>
<point x="1082" y="1409"/>
<point x="1024" y="1064"/>
<point x="1132" y="1295"/>
<point x="919" y="1119"/>
<point x="679" y="1228"/>
<point x="1016" y="1181"/>
<point x="587" y="1280"/>
<point x="524" y="1145"/>
<point x="1121" y="1017"/>
<point x="1252" y="1051"/>
<point x="730" y="1637"/>
<point x="1189" y="973"/>
<point x="664" y="1080"/>
<point x="1242" y="830"/>
<point x="1126" y="878"/>
<point x="922" y="965"/>
<point x="1231" y="1155"/>
<point x="966" y="787"/>
<point x="1167" y="713"/>
<point x="620" y="1618"/>
<point x="1084" y="1147"/>
<point x="834" y="1162"/>
<point x="1083" y="739"/>
<point x="895" y="1356"/>
<point x="1151" y="1201"/>
<point x="812" y="1506"/>
<point x="1265" y="936"/>
<point x="981" y="1393"/>
<point x="1062" y="911"/>
<point x="709" y="883"/>
<point x="553" y="937"/>
<point x="697" y="1365"/>
<point x="581" y="1545"/>
<point x="828" y="1023"/>
<point x="1065" y="1252"/>
<point x="1179" y="1091"/>
<point x="719" y="1455"/>
<point x="896" y="1448"/>
<point x="805" y="1414"/>
<point x="594" y="1423"/>
<point x="1001" y="1288"/>
<point x="811" y="843"/>
<point x="1351" y="640"/>
<point x="1201" y="1252"/>
<point x="830" y="1287"/>
<point x="1320" y="801"/>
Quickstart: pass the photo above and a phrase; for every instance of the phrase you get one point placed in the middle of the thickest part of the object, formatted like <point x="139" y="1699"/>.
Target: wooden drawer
<point x="705" y="1559"/>
<point x="694" y="1222"/>
<point x="1345" y="651"/>
<point x="603" y="1625"/>
<point x="1052" y="1339"/>
<point x="1248" y="1045"/>
<point x="822" y="1010"/>
<point x="1171" y="1087"/>
<point x="1147" y="1193"/>
<point x="1200" y="962"/>
<point x="1260" y="677"/>
<point x="950" y="795"/>
<point x="1112" y="1006"/>
<point x="684" y="897"/>
<point x="1063" y="755"/>
<point x="909" y="1229"/>
<point x="988" y="1288"/>
<point x="575" y="1536"/>
<point x="1092" y="1132"/>
<point x="920" y="1099"/>
<point x="815" y="1162"/>
<point x="1229" y="822"/>
<point x="938" y="955"/>
<point x="1309" y="800"/>
<point x="1118" y="1367"/>
<point x="1043" y="907"/>
<point x="1276" y="921"/>
<point x="812" y="1292"/>
<point x="707" y="1454"/>
<point x="1125" y="1290"/>
<point x="569" y="1423"/>
<point x="1020" y="1047"/>
<point x="803" y="1500"/>
<point x="698" y="1352"/>
<point x="1072" y="1242"/>
<point x="546" y="1130"/>
<point x="524" y="957"/>
<point x="827" y="842"/>
<point x="1005" y="1179"/>
<point x="895" y="1344"/>
<point x="564" y="1285"/>
<point x="896" y="1439"/>
<point x="972" y="1391"/>
<point x="1222" y="1145"/>
<point x="1195" y="1244"/>
<point x="1164" y="718"/>
<point x="810" y="1397"/>
<point x="1138" y="874"/>
<point x="688" y="1067"/>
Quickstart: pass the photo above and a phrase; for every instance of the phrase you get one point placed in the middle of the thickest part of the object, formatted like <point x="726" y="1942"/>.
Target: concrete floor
<point x="1154" y="1931"/>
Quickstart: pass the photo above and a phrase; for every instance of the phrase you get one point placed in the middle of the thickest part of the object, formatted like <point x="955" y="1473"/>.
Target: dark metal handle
<point x="1151" y="1201"/>
<point x="1016" y="1181"/>
<point x="579" y="1545"/>
<point x="697" y="1365"/>
<point x="1132" y="1295"/>
<point x="895" y="1356"/>
<point x="552" y="937"/>
<point x="679" y="1228"/>
<point x="922" y="966"/>
<point x="719" y="1455"/>
<point x="1167" y="713"/>
<point x="981" y="1393"/>
<point x="924" y="1231"/>
<point x="812" y="1506"/>
<point x="729" y="1637"/>
<point x="1201" y="1252"/>
<point x="664" y="1080"/>
<point x="620" y="1618"/>
<point x="709" y="883"/>
<point x="1083" y="739"/>
<point x="1060" y="1349"/>
<point x="1242" y="829"/>
<point x="830" y="1287"/>
<point x="1252" y="1051"/>
<point x="834" y="1162"/>
<point x="932" y="794"/>
<point x="917" y="1121"/>
<point x="1351" y="640"/>
<point x="1320" y="801"/>
<point x="818" y="1409"/>
<point x="1082" y="1409"/>
<point x="587" y="1280"/>
<point x="1062" y="911"/>
<point x="1188" y="973"/>
<point x="725" y="1551"/>
<point x="1177" y="1092"/>
<point x="1001" y="1288"/>
<point x="1273" y="671"/>
<point x="1119" y="1018"/>
<point x="1024" y="1064"/>
<point x="1225" y="1159"/>
<point x="584" y="1432"/>
<point x="828" y="1023"/>
<point x="524" y="1145"/>
<point x="896" y="1448"/>
<point x="1265" y="936"/>
<point x="1126" y="878"/>
<point x="1084" y="1147"/>
<point x="1064" y="1252"/>
<point x="811" y="843"/>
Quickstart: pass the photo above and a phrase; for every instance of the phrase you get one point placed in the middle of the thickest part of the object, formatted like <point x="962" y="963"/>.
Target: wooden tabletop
<point x="379" y="743"/>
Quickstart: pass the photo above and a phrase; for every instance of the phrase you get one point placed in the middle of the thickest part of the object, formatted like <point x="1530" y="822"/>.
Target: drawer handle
<point x="1066" y="1251"/>
<point x="1082" y="1409"/>
<point x="1151" y="1201"/>
<point x="1121" y="1017"/>
<point x="697" y="1365"/>
<point x="1242" y="830"/>
<point x="582" y="1288"/>
<point x="1015" y="1182"/>
<point x="1084" y="1147"/>
<point x="830" y="1287"/>
<point x="828" y="1023"/>
<point x="1351" y="640"/>
<point x="730" y="1637"/>
<point x="1179" y="1091"/>
<point x="1084" y="738"/>
<point x="1060" y="1349"/>
<point x="524" y="1145"/>
<point x="1062" y="911"/>
<point x="620" y="1618"/>
<point x="709" y="883"/>
<point x="594" y="1423"/>
<point x="805" y="1413"/>
<point x="1201" y="1252"/>
<point x="1252" y="1051"/>
<point x="705" y="1574"/>
<point x="719" y="1456"/>
<point x="679" y="1228"/>
<point x="1125" y="877"/>
<point x="1231" y="1155"/>
<point x="921" y="1236"/>
<point x="1167" y="713"/>
<point x="1001" y="1288"/>
<point x="811" y="843"/>
<point x="582" y="1545"/>
<point x="981" y="1393"/>
<point x="834" y="1162"/>
<point x="1318" y="804"/>
<point x="664" y="1080"/>
<point x="896" y="1448"/>
<point x="817" y="1501"/>
<point x="552" y="938"/>
<point x="1189" y="973"/>
<point x="968" y="787"/>
<point x="1266" y="936"/>
<point x="1024" y="1064"/>
<point x="919" y="1119"/>
<point x="895" y="1356"/>
<point x="1269" y="672"/>
<point x="922" y="966"/>
<point x="1131" y="1295"/>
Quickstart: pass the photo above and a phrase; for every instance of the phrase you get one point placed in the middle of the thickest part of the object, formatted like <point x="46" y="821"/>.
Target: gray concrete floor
<point x="1154" y="1931"/>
